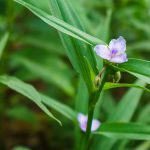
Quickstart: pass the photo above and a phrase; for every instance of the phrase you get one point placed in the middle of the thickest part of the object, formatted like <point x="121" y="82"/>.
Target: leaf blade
<point x="137" y="67"/>
<point x="26" y="90"/>
<point x="61" y="25"/>
<point x="110" y="85"/>
<point x="125" y="131"/>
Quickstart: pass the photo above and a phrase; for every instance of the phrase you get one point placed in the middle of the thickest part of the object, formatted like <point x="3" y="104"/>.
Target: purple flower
<point x="115" y="52"/>
<point x="83" y="122"/>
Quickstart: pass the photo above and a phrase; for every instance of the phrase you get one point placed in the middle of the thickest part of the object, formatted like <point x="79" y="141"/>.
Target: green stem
<point x="88" y="130"/>
<point x="10" y="14"/>
<point x="91" y="107"/>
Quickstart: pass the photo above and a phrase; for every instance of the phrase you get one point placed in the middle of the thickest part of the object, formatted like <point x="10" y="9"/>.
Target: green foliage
<point x="30" y="92"/>
<point x="60" y="25"/>
<point x="137" y="67"/>
<point x="123" y="112"/>
<point x="39" y="59"/>
<point x="117" y="85"/>
<point x="48" y="73"/>
<point x="26" y="90"/>
<point x="125" y="130"/>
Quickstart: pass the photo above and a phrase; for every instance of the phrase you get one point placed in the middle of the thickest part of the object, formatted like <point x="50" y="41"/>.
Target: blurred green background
<point x="34" y="53"/>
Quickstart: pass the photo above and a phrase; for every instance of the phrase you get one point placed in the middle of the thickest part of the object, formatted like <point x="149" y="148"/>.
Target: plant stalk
<point x="91" y="107"/>
<point x="10" y="15"/>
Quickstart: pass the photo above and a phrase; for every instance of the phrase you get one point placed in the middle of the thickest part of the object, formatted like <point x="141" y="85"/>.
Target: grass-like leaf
<point x="61" y="25"/>
<point x="30" y="92"/>
<point x="26" y="90"/>
<point x="137" y="67"/>
<point x="125" y="131"/>
<point x="110" y="85"/>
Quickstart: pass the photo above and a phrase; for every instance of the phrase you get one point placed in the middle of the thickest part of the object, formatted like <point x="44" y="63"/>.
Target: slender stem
<point x="88" y="130"/>
<point x="91" y="107"/>
<point x="101" y="72"/>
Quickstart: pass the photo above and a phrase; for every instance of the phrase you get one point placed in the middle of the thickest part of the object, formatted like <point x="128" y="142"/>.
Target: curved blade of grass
<point x="30" y="92"/>
<point x="110" y="85"/>
<point x="26" y="90"/>
<point x="61" y="25"/>
<point x="125" y="131"/>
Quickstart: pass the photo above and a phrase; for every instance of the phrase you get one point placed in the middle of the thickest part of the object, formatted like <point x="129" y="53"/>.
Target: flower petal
<point x="81" y="118"/>
<point x="103" y="51"/>
<point x="82" y="121"/>
<point x="119" y="58"/>
<point x="83" y="127"/>
<point x="95" y="125"/>
<point x="118" y="45"/>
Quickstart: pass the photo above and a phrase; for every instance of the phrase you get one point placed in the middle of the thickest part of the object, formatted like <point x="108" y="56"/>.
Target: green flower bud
<point x="97" y="81"/>
<point x="117" y="77"/>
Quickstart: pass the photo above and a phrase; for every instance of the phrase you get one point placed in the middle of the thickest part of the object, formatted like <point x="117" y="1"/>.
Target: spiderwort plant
<point x="114" y="53"/>
<point x="66" y="21"/>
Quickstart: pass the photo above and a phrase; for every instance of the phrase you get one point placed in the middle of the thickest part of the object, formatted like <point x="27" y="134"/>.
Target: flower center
<point x="114" y="52"/>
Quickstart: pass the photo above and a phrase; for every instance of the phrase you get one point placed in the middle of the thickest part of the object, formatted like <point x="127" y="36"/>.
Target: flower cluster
<point x="115" y="52"/>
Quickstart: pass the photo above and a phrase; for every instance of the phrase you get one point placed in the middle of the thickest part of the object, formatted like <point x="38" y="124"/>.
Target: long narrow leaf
<point x="137" y="67"/>
<point x="110" y="85"/>
<point x="26" y="90"/>
<point x="61" y="25"/>
<point x="125" y="131"/>
<point x="30" y="92"/>
<point x="59" y="107"/>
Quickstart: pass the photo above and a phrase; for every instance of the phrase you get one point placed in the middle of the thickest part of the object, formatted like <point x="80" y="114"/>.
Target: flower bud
<point x="117" y="77"/>
<point x="97" y="81"/>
